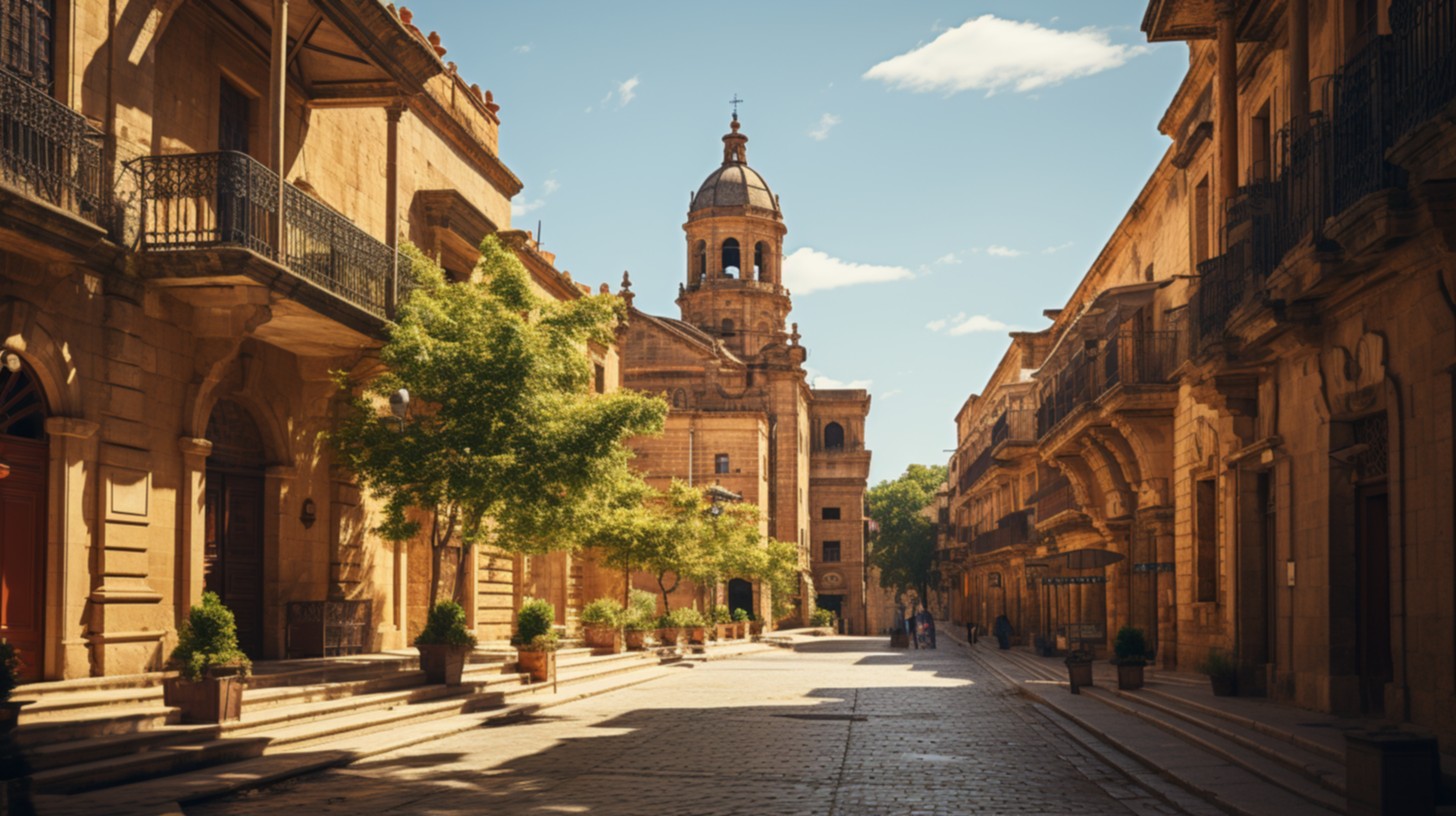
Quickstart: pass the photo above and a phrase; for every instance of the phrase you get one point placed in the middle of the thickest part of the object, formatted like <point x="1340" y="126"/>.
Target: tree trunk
<point x="460" y="576"/>
<point x="666" y="589"/>
<point x="437" y="568"/>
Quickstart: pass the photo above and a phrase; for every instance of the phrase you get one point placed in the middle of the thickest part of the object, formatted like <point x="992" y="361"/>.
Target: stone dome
<point x="735" y="184"/>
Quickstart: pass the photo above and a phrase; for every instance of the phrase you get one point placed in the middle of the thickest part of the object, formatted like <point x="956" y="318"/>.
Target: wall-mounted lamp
<point x="399" y="405"/>
<point x="4" y="470"/>
<point x="309" y="514"/>
<point x="11" y="361"/>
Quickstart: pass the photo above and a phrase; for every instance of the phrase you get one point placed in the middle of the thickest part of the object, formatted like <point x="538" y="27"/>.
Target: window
<point x="727" y="327"/>
<point x="720" y="463"/>
<point x="731" y="258"/>
<point x="26" y="35"/>
<point x="831" y="552"/>
<point x="829" y="513"/>
<point x="599" y="379"/>
<point x="834" y="436"/>
<point x="1260" y="139"/>
<point x="702" y="262"/>
<point x="760" y="253"/>
<point x="1205" y="538"/>
<point x="1201" y="225"/>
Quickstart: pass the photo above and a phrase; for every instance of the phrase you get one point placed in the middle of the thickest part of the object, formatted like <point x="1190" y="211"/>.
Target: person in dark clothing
<point x="970" y="632"/>
<point x="1003" y="631"/>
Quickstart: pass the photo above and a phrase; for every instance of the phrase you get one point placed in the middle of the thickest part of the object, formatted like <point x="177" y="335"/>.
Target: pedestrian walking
<point x="970" y="633"/>
<point x="1003" y="631"/>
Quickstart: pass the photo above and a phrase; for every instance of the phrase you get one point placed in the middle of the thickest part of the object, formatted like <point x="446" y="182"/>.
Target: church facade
<point x="744" y="417"/>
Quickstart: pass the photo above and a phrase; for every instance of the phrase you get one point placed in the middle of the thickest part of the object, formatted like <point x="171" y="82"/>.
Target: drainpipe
<point x="278" y="87"/>
<point x="691" y="431"/>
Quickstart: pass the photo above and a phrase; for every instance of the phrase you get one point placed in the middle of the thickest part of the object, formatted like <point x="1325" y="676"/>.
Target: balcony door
<point x="234" y="110"/>
<point x="27" y="29"/>
<point x="233" y="552"/>
<point x="23" y="449"/>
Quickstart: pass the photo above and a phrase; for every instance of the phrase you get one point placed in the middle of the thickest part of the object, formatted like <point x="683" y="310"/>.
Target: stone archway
<point x="24" y="463"/>
<point x="233" y="532"/>
<point x="740" y="595"/>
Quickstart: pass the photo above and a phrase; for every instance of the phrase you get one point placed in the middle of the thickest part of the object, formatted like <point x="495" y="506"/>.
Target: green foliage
<point x="506" y="444"/>
<point x="536" y="618"/>
<point x="1130" y="647"/>
<point x="722" y="615"/>
<point x="641" y="612"/>
<point x="684" y="617"/>
<point x="544" y="643"/>
<point x="209" y="641"/>
<point x="1218" y="665"/>
<point x="781" y="574"/>
<point x="10" y="666"/>
<point x="741" y="615"/>
<point x="904" y="548"/>
<point x="446" y="627"/>
<point x="821" y="617"/>
<point x="1077" y="657"/>
<point x="603" y="612"/>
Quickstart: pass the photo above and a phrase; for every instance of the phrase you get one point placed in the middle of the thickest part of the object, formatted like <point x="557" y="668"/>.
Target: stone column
<point x="1298" y="56"/>
<point x="68" y="571"/>
<point x="393" y="113"/>
<point x="191" y="523"/>
<point x="281" y="581"/>
<point x="1226" y="112"/>
<point x="277" y="110"/>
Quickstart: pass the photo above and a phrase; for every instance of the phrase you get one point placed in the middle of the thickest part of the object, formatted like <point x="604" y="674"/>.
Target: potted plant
<point x="639" y="618"/>
<point x="209" y="688"/>
<point x="822" y="618"/>
<point x="1130" y="654"/>
<point x="602" y="625"/>
<point x="1222" y="673"/>
<point x="1079" y="668"/>
<point x="445" y="644"/>
<point x="10" y="666"/>
<point x="740" y="622"/>
<point x="689" y="622"/>
<point x="535" y="639"/>
<point x="723" y="623"/>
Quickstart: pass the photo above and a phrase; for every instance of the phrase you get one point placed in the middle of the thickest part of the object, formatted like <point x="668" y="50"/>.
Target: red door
<point x="22" y="550"/>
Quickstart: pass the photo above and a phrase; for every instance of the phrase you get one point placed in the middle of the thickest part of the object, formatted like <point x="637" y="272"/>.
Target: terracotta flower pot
<point x="636" y="639"/>
<point x="727" y="631"/>
<point x="755" y="627"/>
<point x="1080" y="675"/>
<point x="443" y="664"/>
<point x="697" y="635"/>
<point x="604" y="637"/>
<point x="541" y="665"/>
<point x="1129" y="676"/>
<point x="208" y="700"/>
<point x="670" y="637"/>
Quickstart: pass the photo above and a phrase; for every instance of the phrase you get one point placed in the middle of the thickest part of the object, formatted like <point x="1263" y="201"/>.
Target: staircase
<point x="1241" y="755"/>
<point x="82" y="739"/>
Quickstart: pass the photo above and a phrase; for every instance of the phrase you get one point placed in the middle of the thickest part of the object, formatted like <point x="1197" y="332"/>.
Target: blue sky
<point x="947" y="170"/>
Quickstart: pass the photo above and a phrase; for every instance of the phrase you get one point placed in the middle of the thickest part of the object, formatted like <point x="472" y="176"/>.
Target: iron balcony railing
<point x="49" y="150"/>
<point x="1138" y="358"/>
<point x="1059" y="498"/>
<point x="1014" y="425"/>
<point x="1423" y="38"/>
<point x="976" y="469"/>
<point x="1222" y="284"/>
<point x="1011" y="530"/>
<point x="228" y="199"/>
<point x="1071" y="388"/>
<point x="1363" y="124"/>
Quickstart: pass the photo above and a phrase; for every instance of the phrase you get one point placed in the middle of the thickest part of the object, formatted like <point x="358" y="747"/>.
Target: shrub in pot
<point x="445" y="644"/>
<point x="723" y="623"/>
<point x="213" y="670"/>
<point x="822" y="618"/>
<point x="1130" y="654"/>
<point x="1079" y="669"/>
<point x="740" y="622"/>
<point x="687" y="621"/>
<point x="1222" y="673"/>
<point x="535" y="639"/>
<point x="639" y="618"/>
<point x="602" y="622"/>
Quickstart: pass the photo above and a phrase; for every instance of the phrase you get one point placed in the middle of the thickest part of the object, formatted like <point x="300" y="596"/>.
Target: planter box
<point x="1391" y="772"/>
<point x="1129" y="677"/>
<point x="1225" y="686"/>
<point x="755" y="627"/>
<point x="697" y="635"/>
<point x="541" y="665"/>
<point x="635" y="638"/>
<point x="670" y="637"/>
<point x="209" y="700"/>
<point x="727" y="631"/>
<point x="1080" y="675"/>
<point x="443" y="664"/>
<point x="604" y="637"/>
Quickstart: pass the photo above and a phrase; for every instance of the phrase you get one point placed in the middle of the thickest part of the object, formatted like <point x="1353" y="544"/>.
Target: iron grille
<point x="1423" y="34"/>
<point x="1362" y="125"/>
<point x="1374" y="433"/>
<point x="49" y="150"/>
<point x="27" y="34"/>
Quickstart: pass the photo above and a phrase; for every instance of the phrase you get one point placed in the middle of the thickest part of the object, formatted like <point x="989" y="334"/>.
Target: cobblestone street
<point x="840" y="726"/>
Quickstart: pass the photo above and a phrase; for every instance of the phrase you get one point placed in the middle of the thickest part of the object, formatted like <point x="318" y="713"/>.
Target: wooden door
<point x="22" y="550"/>
<point x="233" y="557"/>
<point x="1373" y="574"/>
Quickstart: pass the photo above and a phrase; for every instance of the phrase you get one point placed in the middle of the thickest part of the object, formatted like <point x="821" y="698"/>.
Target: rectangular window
<point x="600" y="379"/>
<point x="831" y="552"/>
<point x="720" y="463"/>
<point x="1201" y="221"/>
<point x="829" y="513"/>
<point x="1205" y="538"/>
<point x="1260" y="157"/>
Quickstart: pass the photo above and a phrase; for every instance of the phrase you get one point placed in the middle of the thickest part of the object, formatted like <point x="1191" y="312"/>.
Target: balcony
<point x="1423" y="66"/>
<point x="975" y="470"/>
<point x="1138" y="358"/>
<point x="1016" y="426"/>
<point x="211" y="204"/>
<point x="1363" y="125"/>
<point x="1056" y="498"/>
<point x="49" y="151"/>
<point x="1011" y="530"/>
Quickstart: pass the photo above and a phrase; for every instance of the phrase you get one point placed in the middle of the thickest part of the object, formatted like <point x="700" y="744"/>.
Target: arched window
<point x="700" y="262"/>
<point x="834" y="436"/>
<point x="22" y="408"/>
<point x="727" y="327"/>
<point x="760" y="265"/>
<point x="731" y="258"/>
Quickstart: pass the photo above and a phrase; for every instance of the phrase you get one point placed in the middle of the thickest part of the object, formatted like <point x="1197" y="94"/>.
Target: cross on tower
<point x="735" y="102"/>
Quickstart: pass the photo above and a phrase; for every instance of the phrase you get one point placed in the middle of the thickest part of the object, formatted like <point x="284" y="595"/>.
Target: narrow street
<point x="838" y="726"/>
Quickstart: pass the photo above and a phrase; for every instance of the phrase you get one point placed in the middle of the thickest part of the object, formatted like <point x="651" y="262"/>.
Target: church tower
<point x="735" y="240"/>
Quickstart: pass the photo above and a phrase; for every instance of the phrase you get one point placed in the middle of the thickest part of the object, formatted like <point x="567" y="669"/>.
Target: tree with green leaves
<point x="904" y="548"/>
<point x="505" y="443"/>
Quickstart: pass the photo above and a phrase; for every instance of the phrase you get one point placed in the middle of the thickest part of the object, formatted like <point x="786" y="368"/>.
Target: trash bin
<point x="1395" y="773"/>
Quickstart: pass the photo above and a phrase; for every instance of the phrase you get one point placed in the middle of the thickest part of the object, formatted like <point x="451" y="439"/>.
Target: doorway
<point x="1372" y="574"/>
<point x="233" y="548"/>
<point x="24" y="450"/>
<point x="233" y="126"/>
<point x="740" y="595"/>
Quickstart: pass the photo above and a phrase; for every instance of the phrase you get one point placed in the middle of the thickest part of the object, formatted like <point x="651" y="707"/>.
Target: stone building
<point x="1249" y="393"/>
<point x="743" y="415"/>
<point x="199" y="209"/>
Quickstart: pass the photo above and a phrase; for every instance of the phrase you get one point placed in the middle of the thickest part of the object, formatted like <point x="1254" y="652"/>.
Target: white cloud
<point x="892" y="392"/>
<point x="1003" y="252"/>
<point x="550" y="186"/>
<point x="1052" y="250"/>
<point x="808" y="270"/>
<point x="821" y="381"/>
<point x="947" y="259"/>
<point x="523" y="48"/>
<point x="523" y="207"/>
<point x="627" y="91"/>
<point x="966" y="324"/>
<point x="992" y="54"/>
<point x="826" y="124"/>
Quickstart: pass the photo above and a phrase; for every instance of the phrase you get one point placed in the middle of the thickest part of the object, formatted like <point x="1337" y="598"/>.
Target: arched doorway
<point x="233" y="549"/>
<point x="740" y="595"/>
<point x="25" y="452"/>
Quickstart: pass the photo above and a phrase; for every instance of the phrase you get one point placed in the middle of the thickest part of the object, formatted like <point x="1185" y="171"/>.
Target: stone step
<point x="163" y="760"/>
<point x="84" y="724"/>
<point x="75" y="752"/>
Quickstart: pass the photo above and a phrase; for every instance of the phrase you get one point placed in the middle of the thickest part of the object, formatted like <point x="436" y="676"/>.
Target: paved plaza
<point x="838" y="726"/>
